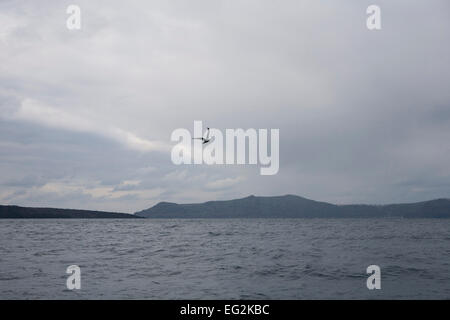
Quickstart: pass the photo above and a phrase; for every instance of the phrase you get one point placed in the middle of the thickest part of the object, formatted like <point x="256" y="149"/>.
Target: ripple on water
<point x="224" y="259"/>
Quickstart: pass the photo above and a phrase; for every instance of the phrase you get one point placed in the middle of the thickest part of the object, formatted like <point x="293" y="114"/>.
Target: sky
<point x="86" y="115"/>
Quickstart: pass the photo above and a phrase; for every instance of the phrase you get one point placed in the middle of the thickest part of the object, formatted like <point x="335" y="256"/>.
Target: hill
<point x="291" y="206"/>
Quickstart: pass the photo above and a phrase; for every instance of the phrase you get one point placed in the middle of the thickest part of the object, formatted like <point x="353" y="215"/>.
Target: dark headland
<point x="16" y="212"/>
<point x="288" y="206"/>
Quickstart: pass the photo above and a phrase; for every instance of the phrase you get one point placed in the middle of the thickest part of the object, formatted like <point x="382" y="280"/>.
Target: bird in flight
<point x="204" y="140"/>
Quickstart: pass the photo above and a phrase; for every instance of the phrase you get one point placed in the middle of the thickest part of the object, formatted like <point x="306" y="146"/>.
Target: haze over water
<point x="225" y="259"/>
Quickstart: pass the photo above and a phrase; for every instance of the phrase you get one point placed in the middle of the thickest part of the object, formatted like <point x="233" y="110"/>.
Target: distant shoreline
<point x="252" y="207"/>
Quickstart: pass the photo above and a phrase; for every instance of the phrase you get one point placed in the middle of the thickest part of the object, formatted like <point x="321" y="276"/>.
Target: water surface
<point x="225" y="259"/>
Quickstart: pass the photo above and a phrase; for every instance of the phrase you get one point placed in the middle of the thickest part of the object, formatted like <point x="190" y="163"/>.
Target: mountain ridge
<point x="293" y="206"/>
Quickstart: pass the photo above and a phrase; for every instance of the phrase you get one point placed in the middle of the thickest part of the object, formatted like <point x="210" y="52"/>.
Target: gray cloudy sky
<point x="86" y="116"/>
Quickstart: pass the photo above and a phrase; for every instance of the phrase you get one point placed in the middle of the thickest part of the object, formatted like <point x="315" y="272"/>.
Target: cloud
<point x="10" y="23"/>
<point x="223" y="183"/>
<point x="34" y="112"/>
<point x="64" y="190"/>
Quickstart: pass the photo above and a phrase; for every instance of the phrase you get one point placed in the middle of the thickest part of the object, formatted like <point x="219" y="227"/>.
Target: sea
<point x="225" y="258"/>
